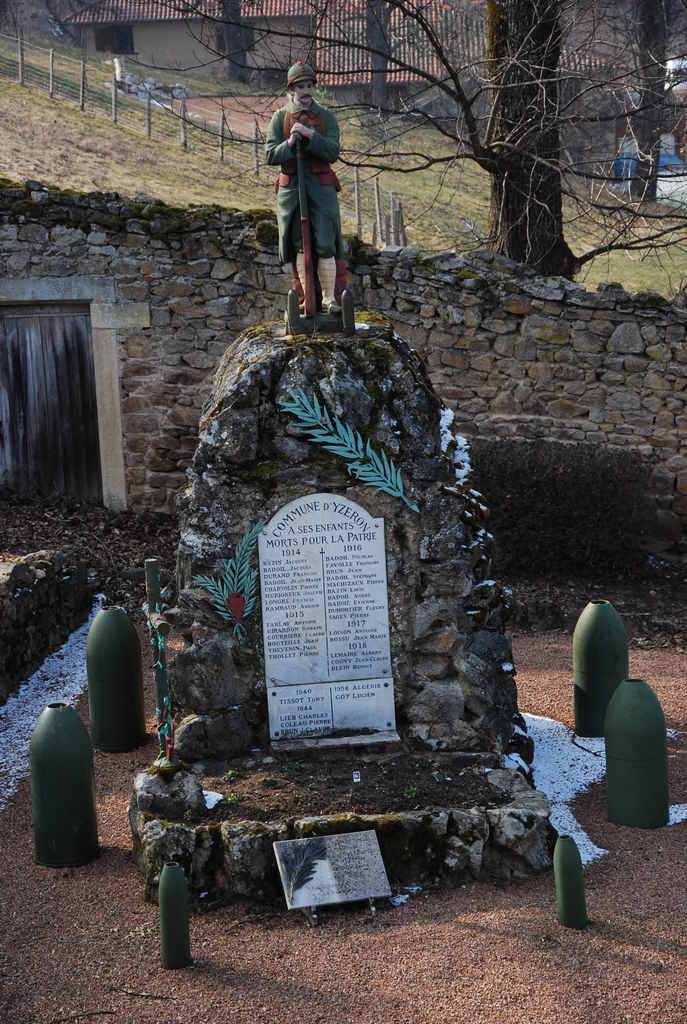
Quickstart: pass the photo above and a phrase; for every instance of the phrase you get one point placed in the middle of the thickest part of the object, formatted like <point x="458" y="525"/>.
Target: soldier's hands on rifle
<point x="302" y="130"/>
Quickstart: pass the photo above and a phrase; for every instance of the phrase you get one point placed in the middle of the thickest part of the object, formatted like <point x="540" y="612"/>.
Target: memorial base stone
<point x="509" y="840"/>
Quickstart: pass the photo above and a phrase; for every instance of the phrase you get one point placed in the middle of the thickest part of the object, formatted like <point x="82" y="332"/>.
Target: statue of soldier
<point x="304" y="120"/>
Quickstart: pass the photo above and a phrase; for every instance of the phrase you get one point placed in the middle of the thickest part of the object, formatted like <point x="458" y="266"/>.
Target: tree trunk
<point x="652" y="18"/>
<point x="235" y="41"/>
<point x="526" y="208"/>
<point x="377" y="37"/>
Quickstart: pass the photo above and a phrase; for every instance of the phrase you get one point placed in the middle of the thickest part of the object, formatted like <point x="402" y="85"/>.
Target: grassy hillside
<point x="52" y="141"/>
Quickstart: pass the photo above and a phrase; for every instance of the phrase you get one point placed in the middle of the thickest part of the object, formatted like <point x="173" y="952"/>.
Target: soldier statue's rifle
<point x="309" y="283"/>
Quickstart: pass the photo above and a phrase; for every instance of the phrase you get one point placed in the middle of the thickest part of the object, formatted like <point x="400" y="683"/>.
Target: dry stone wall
<point x="43" y="596"/>
<point x="518" y="356"/>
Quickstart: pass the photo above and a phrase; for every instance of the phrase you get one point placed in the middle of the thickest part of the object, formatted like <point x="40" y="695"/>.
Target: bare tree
<point x="235" y="42"/>
<point x="377" y="20"/>
<point x="652" y="17"/>
<point x="536" y="92"/>
<point x="521" y="146"/>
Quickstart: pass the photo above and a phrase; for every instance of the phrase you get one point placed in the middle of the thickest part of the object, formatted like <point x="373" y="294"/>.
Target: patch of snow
<point x="461" y="453"/>
<point x="565" y="766"/>
<point x="677" y="813"/>
<point x="507" y="666"/>
<point x="446" y="418"/>
<point x="211" y="799"/>
<point x="563" y="769"/>
<point x="61" y="679"/>
<point x="401" y="897"/>
<point x="359" y="326"/>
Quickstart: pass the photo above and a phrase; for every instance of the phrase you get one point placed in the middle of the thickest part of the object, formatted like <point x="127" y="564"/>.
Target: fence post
<point x="356" y="193"/>
<point x="256" y="153"/>
<point x="394" y="219"/>
<point x="378" y="213"/>
<point x="149" y="115"/>
<point x="221" y="135"/>
<point x="387" y="229"/>
<point x="184" y="139"/>
<point x="20" y="57"/>
<point x="51" y="74"/>
<point x="401" y="226"/>
<point x="82" y="85"/>
<point x="114" y="98"/>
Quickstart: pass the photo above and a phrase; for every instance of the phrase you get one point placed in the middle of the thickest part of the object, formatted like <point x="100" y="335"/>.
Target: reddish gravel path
<point x="82" y="944"/>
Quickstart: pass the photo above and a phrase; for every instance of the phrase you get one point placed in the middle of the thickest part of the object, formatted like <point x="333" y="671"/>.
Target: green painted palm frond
<point x="219" y="591"/>
<point x="340" y="439"/>
<point x="238" y="577"/>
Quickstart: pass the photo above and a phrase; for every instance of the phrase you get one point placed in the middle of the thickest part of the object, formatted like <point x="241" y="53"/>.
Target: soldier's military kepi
<point x="299" y="72"/>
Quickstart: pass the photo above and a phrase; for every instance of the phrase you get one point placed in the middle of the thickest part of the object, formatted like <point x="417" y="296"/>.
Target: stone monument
<point x="334" y="593"/>
<point x="409" y="601"/>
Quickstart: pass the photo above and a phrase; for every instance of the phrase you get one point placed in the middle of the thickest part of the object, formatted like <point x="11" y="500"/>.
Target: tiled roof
<point x="342" y="41"/>
<point x="340" y="57"/>
<point x="114" y="12"/>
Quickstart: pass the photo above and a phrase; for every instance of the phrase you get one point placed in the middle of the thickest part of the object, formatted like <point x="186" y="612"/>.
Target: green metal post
<point x="636" y="757"/>
<point x="62" y="789"/>
<point x="175" y="945"/>
<point x="567" y="871"/>
<point x="115" y="682"/>
<point x="158" y="628"/>
<point x="599" y="664"/>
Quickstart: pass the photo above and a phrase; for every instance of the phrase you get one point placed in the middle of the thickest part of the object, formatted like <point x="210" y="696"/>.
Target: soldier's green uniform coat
<point x="323" y="205"/>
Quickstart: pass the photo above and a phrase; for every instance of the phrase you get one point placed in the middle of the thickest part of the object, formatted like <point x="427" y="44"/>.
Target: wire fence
<point x="372" y="211"/>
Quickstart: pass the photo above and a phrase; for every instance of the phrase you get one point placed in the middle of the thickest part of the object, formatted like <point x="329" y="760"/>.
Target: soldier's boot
<point x="326" y="271"/>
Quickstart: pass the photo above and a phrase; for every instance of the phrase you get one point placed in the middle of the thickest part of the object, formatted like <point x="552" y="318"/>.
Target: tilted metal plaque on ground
<point x="325" y="620"/>
<point x="331" y="869"/>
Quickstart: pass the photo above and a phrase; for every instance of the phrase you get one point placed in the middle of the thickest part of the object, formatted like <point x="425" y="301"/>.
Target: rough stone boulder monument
<point x="328" y="463"/>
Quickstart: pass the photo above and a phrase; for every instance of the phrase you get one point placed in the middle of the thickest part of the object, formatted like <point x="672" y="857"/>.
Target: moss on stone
<point x="467" y="275"/>
<point x="251" y="828"/>
<point x="261" y="330"/>
<point x="425" y="265"/>
<point x="261" y="213"/>
<point x="372" y="316"/>
<point x="266" y="232"/>
<point x="213" y="828"/>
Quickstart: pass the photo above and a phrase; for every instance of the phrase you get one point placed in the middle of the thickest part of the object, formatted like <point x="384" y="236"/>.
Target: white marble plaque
<point x="317" y="709"/>
<point x="331" y="869"/>
<point x="325" y="612"/>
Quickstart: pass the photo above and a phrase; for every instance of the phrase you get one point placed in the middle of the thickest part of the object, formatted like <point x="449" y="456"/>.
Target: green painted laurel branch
<point x="238" y="579"/>
<point x="336" y="437"/>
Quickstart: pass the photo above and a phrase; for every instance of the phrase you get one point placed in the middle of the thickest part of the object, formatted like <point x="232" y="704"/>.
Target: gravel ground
<point x="81" y="944"/>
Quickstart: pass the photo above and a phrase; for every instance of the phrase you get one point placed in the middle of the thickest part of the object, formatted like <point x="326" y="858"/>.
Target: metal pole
<point x="356" y="192"/>
<point x="256" y="155"/>
<point x="51" y="74"/>
<point x="149" y="115"/>
<point x="221" y="136"/>
<point x="184" y="139"/>
<point x="20" y="58"/>
<point x="114" y="98"/>
<point x="82" y="86"/>
<point x="378" y="212"/>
